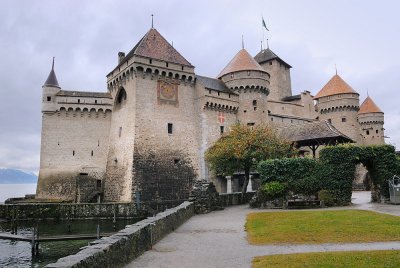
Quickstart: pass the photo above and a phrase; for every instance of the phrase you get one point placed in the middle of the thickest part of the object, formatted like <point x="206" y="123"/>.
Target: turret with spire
<point x="50" y="89"/>
<point x="371" y="120"/>
<point x="247" y="78"/>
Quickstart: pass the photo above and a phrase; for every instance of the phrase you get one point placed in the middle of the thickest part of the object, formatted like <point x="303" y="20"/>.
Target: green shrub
<point x="326" y="197"/>
<point x="274" y="190"/>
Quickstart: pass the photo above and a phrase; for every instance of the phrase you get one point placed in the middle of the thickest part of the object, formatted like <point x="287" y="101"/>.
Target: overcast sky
<point x="361" y="37"/>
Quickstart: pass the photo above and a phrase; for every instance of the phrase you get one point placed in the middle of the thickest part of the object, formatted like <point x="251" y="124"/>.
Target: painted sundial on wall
<point x="167" y="93"/>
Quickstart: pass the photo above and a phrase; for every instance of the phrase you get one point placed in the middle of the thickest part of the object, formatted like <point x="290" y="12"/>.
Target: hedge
<point x="334" y="171"/>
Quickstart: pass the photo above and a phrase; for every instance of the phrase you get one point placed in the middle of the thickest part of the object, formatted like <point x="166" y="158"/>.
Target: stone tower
<point x="153" y="153"/>
<point x="371" y="120"/>
<point x="246" y="77"/>
<point x="280" y="84"/>
<point x="50" y="89"/>
<point x="338" y="103"/>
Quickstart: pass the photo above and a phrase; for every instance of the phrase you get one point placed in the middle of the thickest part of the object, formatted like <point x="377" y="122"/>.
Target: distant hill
<point x="16" y="176"/>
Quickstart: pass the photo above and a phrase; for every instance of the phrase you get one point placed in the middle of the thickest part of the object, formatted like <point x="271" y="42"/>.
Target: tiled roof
<point x="266" y="55"/>
<point x="214" y="84"/>
<point x="317" y="133"/>
<point x="369" y="106"/>
<point x="335" y="86"/>
<point x="153" y="45"/>
<point x="242" y="61"/>
<point x="65" y="93"/>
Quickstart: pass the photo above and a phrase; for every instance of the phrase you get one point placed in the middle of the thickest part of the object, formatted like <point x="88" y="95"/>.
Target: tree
<point x="243" y="147"/>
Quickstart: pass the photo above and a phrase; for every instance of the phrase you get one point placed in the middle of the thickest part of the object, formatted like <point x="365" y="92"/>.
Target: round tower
<point x="371" y="120"/>
<point x="338" y="103"/>
<point x="50" y="89"/>
<point x="246" y="77"/>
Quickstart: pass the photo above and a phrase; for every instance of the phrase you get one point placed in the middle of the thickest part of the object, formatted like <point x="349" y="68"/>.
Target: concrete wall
<point x="129" y="243"/>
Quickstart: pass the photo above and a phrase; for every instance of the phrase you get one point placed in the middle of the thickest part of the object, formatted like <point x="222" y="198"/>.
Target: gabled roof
<point x="51" y="80"/>
<point x="266" y="55"/>
<point x="316" y="133"/>
<point x="335" y="86"/>
<point x="214" y="84"/>
<point x="153" y="45"/>
<point x="369" y="106"/>
<point x="242" y="61"/>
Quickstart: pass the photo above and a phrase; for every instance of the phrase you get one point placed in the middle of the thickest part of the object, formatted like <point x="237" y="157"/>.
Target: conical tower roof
<point x="153" y="45"/>
<point x="51" y="80"/>
<point x="369" y="106"/>
<point x="242" y="61"/>
<point x="335" y="86"/>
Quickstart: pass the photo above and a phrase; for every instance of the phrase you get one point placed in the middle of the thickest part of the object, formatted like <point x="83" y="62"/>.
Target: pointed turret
<point x="50" y="89"/>
<point x="369" y="106"/>
<point x="242" y="61"/>
<point x="335" y="86"/>
<point x="371" y="120"/>
<point x="51" y="80"/>
<point x="339" y="103"/>
<point x="247" y="78"/>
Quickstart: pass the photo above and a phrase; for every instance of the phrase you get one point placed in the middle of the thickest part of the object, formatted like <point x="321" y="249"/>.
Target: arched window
<point x="121" y="98"/>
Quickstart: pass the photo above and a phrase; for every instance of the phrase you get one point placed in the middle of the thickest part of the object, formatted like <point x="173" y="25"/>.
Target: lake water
<point x="16" y="190"/>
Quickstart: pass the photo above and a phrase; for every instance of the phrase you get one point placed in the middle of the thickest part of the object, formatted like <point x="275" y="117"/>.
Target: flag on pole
<point x="263" y="24"/>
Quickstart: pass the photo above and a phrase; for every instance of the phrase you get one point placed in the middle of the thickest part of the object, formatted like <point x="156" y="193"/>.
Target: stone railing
<point x="127" y="244"/>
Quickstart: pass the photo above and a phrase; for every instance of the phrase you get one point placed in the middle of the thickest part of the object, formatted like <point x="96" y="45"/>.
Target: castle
<point x="145" y="138"/>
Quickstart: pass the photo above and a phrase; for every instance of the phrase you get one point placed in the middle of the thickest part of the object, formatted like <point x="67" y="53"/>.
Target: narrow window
<point x="79" y="100"/>
<point x="166" y="64"/>
<point x="367" y="132"/>
<point x="221" y="129"/>
<point x="92" y="152"/>
<point x="95" y="101"/>
<point x="218" y="93"/>
<point x="343" y="119"/>
<point x="254" y="102"/>
<point x="98" y="143"/>
<point x="248" y="73"/>
<point x="176" y="161"/>
<point x="245" y="111"/>
<point x="150" y="61"/>
<point x="73" y="153"/>
<point x="270" y="63"/>
<point x="255" y="108"/>
<point x="229" y="95"/>
<point x="376" y="131"/>
<point x="120" y="132"/>
<point x="209" y="92"/>
<point x="98" y="184"/>
<point x="272" y="119"/>
<point x="48" y="98"/>
<point x="183" y="67"/>
<point x="169" y="128"/>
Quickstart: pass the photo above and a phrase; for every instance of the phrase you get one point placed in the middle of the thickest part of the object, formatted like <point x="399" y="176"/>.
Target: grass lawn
<point x="313" y="227"/>
<point x="388" y="258"/>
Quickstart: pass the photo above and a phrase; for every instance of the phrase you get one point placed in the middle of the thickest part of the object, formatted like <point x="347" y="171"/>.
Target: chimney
<point x="121" y="56"/>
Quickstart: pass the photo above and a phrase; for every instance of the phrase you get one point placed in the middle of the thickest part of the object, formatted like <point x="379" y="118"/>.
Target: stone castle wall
<point x="280" y="83"/>
<point x="73" y="142"/>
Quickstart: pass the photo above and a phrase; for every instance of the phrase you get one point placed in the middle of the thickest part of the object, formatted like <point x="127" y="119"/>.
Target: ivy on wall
<point x="334" y="171"/>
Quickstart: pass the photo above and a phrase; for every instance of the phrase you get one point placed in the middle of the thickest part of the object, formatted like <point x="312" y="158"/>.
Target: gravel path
<point x="218" y="239"/>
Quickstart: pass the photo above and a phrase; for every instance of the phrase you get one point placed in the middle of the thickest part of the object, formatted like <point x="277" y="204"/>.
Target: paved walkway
<point x="218" y="239"/>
